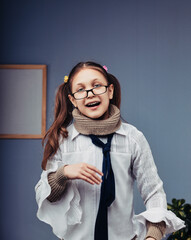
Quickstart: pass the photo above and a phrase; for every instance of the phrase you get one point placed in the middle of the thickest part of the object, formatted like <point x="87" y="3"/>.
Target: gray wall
<point x="146" y="44"/>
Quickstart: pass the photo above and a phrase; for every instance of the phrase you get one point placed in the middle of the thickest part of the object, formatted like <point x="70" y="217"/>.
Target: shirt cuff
<point x="57" y="182"/>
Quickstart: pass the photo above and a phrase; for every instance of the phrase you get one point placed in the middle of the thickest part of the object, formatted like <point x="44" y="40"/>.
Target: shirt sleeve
<point x="151" y="188"/>
<point x="64" y="212"/>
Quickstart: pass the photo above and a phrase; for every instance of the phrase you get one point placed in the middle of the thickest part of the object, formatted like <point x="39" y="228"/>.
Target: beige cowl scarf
<point x="88" y="126"/>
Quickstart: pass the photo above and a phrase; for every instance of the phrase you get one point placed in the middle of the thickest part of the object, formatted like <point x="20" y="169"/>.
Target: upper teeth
<point x="92" y="103"/>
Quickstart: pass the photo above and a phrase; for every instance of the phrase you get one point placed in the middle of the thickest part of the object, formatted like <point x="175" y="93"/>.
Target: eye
<point x="80" y="90"/>
<point x="97" y="85"/>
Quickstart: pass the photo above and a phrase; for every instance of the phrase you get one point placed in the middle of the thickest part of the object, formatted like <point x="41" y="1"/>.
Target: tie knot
<point x="106" y="148"/>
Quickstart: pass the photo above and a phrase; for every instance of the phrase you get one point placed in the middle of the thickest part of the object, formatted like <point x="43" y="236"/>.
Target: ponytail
<point x="62" y="118"/>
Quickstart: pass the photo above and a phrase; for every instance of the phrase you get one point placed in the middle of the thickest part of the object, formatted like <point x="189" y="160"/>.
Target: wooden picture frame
<point x="23" y="101"/>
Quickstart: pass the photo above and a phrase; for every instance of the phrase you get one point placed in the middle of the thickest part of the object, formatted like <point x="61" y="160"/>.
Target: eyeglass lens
<point x="96" y="91"/>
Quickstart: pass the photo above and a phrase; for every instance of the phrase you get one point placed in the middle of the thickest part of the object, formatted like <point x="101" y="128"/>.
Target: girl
<point x="91" y="160"/>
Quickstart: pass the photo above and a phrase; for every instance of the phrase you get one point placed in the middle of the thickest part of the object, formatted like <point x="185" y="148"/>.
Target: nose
<point x="90" y="93"/>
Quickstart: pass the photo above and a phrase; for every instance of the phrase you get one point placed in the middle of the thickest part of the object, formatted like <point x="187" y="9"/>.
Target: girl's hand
<point x="83" y="171"/>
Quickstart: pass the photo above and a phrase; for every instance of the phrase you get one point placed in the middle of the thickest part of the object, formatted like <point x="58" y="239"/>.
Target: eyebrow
<point x="93" y="80"/>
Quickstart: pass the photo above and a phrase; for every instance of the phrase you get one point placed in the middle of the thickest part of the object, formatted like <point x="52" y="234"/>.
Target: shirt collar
<point x="120" y="131"/>
<point x="75" y="133"/>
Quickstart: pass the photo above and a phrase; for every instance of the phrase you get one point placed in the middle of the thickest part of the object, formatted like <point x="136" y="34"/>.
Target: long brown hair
<point x="63" y="109"/>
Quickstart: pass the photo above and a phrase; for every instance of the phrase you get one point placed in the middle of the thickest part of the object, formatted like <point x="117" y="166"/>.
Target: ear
<point x="72" y="100"/>
<point x="111" y="91"/>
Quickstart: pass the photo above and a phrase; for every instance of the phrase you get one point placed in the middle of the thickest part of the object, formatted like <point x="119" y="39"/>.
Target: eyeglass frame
<point x="91" y="90"/>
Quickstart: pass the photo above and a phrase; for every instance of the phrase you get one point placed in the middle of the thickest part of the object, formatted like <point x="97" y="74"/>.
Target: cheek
<point x="79" y="103"/>
<point x="109" y="96"/>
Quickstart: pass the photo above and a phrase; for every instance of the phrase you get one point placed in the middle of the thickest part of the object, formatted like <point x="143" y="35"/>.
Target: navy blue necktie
<point x="107" y="195"/>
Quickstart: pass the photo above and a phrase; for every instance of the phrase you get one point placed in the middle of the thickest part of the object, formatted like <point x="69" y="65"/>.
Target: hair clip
<point x="106" y="69"/>
<point x="66" y="79"/>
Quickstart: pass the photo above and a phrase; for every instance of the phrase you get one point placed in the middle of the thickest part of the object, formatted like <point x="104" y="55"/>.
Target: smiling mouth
<point x="93" y="104"/>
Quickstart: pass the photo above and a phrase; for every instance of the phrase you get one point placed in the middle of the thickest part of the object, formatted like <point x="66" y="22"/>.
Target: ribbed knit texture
<point x="156" y="230"/>
<point x="57" y="182"/>
<point x="87" y="126"/>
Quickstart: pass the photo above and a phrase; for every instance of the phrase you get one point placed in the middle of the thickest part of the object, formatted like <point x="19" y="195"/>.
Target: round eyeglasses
<point x="98" y="90"/>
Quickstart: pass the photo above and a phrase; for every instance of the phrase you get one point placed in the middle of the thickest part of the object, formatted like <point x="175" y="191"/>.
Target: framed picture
<point x="22" y="101"/>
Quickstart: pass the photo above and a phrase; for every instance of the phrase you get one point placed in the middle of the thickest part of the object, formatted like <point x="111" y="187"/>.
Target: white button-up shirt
<point x="73" y="217"/>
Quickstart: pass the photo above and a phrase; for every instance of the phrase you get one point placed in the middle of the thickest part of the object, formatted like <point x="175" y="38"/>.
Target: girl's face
<point x="92" y="106"/>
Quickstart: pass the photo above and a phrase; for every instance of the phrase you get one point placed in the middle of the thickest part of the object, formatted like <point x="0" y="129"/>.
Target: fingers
<point x="87" y="179"/>
<point x="83" y="171"/>
<point x="92" y="176"/>
<point x="93" y="168"/>
<point x="89" y="174"/>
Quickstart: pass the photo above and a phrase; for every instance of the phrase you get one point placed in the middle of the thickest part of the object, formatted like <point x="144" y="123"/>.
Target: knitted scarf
<point x="86" y="126"/>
